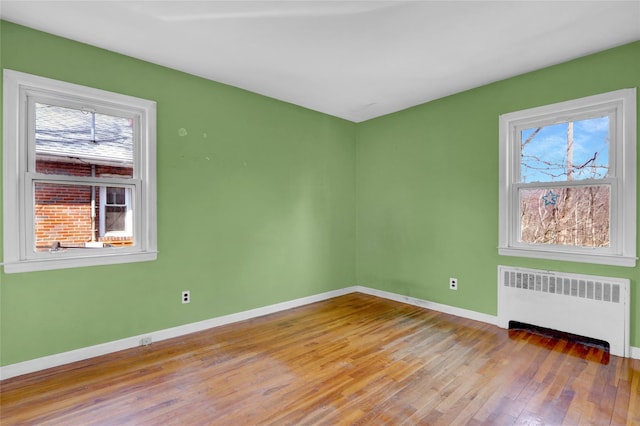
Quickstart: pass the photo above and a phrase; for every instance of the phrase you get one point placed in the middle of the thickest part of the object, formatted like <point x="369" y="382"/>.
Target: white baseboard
<point x="55" y="360"/>
<point x="459" y="312"/>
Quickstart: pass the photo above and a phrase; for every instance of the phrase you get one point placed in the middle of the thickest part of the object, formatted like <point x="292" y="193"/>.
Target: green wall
<point x="255" y="206"/>
<point x="261" y="201"/>
<point x="427" y="186"/>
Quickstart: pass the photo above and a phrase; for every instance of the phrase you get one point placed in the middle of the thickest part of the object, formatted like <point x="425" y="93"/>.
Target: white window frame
<point x="20" y="90"/>
<point x="621" y="105"/>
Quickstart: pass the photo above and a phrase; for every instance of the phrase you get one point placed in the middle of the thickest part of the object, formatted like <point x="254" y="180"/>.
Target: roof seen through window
<point x="90" y="137"/>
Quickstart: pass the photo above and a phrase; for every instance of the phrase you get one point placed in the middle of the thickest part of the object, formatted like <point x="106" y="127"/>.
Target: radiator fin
<point x="550" y="282"/>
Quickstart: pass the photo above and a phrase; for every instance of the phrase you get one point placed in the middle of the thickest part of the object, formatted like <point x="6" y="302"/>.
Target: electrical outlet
<point x="453" y="283"/>
<point x="145" y="341"/>
<point x="186" y="296"/>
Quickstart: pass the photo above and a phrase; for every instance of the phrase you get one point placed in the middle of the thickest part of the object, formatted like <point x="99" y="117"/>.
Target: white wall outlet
<point x="186" y="296"/>
<point x="145" y="341"/>
<point x="453" y="283"/>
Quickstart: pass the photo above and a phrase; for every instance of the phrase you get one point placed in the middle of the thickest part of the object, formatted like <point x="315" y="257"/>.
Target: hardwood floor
<point x="355" y="359"/>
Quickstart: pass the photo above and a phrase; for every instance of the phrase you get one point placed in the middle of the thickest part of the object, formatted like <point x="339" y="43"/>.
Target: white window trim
<point x="622" y="159"/>
<point x="17" y="204"/>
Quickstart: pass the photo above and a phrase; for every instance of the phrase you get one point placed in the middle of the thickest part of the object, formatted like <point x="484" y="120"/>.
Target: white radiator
<point x="586" y="305"/>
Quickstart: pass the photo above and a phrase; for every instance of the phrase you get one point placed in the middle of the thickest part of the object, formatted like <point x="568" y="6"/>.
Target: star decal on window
<point x="550" y="198"/>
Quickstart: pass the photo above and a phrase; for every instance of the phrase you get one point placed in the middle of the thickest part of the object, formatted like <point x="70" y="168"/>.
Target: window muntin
<point x="68" y="144"/>
<point x="567" y="180"/>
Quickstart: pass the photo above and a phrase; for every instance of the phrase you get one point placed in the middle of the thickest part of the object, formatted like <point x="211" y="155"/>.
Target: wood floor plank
<point x="352" y="360"/>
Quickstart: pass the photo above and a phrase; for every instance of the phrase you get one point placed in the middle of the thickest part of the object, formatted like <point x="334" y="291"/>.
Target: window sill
<point x="571" y="257"/>
<point x="77" y="262"/>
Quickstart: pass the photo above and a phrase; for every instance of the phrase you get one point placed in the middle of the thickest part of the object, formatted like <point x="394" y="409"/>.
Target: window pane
<point x="115" y="218"/>
<point x="115" y="195"/>
<point x="569" y="216"/>
<point x="115" y="210"/>
<point x="567" y="151"/>
<point x="73" y="142"/>
<point x="69" y="217"/>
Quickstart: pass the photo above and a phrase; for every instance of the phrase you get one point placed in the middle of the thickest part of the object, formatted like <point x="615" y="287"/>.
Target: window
<point x="79" y="181"/>
<point x="115" y="211"/>
<point x="568" y="180"/>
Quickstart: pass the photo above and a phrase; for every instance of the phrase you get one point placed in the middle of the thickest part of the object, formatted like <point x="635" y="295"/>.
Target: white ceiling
<point x="351" y="59"/>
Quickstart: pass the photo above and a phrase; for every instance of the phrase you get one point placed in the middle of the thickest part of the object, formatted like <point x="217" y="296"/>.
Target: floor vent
<point x="584" y="305"/>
